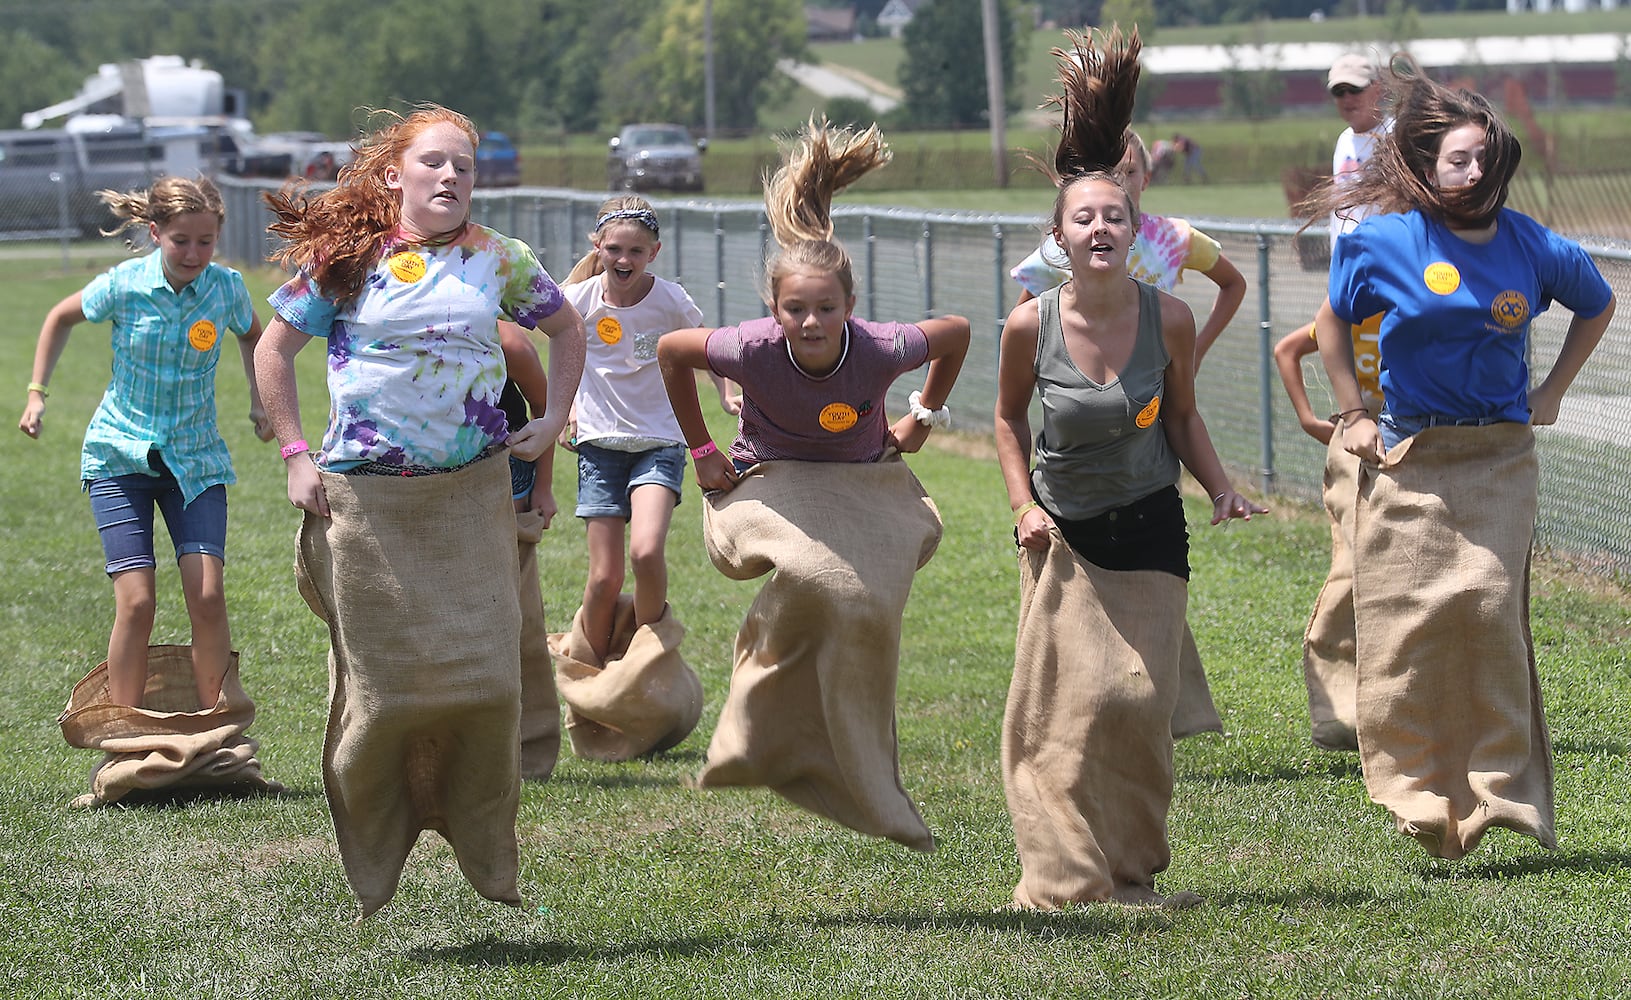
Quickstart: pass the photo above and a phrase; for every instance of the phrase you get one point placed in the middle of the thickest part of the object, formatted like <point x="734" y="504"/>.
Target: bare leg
<point x="605" y="537"/>
<point x="203" y="583"/>
<point x="133" y="602"/>
<point x="651" y="511"/>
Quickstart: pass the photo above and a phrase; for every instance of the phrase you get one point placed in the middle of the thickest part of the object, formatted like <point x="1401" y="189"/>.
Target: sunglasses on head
<point x="1346" y="90"/>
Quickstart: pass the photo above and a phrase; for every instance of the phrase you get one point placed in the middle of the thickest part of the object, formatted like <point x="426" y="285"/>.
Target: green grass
<point x="638" y="887"/>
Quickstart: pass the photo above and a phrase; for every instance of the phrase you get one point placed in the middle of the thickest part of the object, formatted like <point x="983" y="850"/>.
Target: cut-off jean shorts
<point x="607" y="478"/>
<point x="123" y="507"/>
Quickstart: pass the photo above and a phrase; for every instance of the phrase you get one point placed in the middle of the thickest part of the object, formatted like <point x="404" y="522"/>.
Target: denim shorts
<point x="123" y="507"/>
<point x="606" y="477"/>
<point x="1395" y="427"/>
<point x="523" y="475"/>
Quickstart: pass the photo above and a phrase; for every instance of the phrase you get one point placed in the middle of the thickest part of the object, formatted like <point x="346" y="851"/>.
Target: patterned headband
<point x="645" y="216"/>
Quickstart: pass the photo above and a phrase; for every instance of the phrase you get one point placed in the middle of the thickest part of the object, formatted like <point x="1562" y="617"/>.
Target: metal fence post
<point x="1265" y="361"/>
<point x="999" y="291"/>
<point x="719" y="269"/>
<point x="928" y="268"/>
<point x="869" y="241"/>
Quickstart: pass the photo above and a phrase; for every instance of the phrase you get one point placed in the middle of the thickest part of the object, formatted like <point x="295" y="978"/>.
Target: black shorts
<point x="1148" y="533"/>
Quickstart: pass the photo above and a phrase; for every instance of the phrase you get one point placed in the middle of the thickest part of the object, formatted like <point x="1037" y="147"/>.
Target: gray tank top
<point x="1101" y="446"/>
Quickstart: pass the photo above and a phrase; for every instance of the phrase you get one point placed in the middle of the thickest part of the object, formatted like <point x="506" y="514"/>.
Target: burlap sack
<point x="540" y="710"/>
<point x="167" y="745"/>
<point x="1452" y="735"/>
<point x="1086" y="736"/>
<point x="644" y="699"/>
<point x="416" y="579"/>
<point x="1195" y="712"/>
<point x="1328" y="640"/>
<point x="811" y="708"/>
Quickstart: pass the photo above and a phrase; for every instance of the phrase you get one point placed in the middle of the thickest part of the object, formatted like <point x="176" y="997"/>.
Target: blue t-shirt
<point x="1455" y="337"/>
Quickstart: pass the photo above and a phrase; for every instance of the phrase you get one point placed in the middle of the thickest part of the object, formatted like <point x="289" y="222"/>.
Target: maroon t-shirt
<point x="786" y="414"/>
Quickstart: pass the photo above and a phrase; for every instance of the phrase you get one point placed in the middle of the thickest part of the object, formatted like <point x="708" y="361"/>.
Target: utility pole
<point x="708" y="68"/>
<point x="995" y="99"/>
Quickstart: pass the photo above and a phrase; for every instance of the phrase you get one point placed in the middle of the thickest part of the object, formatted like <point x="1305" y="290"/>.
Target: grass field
<point x="638" y="887"/>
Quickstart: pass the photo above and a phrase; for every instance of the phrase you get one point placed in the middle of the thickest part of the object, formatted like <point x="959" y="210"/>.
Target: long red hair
<point x="339" y="235"/>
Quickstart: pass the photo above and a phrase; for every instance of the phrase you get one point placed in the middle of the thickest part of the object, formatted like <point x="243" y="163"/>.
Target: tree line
<point x="521" y="65"/>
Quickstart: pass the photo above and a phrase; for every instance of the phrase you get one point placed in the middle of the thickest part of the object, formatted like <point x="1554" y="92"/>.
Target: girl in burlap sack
<point x="407" y="551"/>
<point x="1328" y="638"/>
<point x="153" y="441"/>
<point x="807" y="490"/>
<point x="1087" y="743"/>
<point x="628" y="690"/>
<point x="1451" y="732"/>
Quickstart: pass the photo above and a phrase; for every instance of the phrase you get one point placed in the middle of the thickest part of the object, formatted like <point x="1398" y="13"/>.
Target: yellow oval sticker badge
<point x="1147" y="415"/>
<point x="201" y="335"/>
<point x="407" y="266"/>
<point x="838" y="417"/>
<point x="1441" y="277"/>
<point x="609" y="330"/>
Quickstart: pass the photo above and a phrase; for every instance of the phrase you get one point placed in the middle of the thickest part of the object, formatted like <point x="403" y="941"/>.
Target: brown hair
<point x="166" y="199"/>
<point x="339" y="235"/>
<point x="821" y="161"/>
<point x="1098" y="79"/>
<point x="589" y="264"/>
<point x="1399" y="175"/>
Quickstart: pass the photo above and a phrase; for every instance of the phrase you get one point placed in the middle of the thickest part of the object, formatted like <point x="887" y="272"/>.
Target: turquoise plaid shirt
<point x="162" y="394"/>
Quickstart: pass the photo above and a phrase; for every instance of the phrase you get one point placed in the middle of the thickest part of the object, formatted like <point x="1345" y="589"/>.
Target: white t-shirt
<point x="1352" y="150"/>
<point x="621" y="402"/>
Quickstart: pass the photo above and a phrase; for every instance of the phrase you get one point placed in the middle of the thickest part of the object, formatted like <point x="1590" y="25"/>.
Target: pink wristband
<point x="704" y="450"/>
<point x="294" y="448"/>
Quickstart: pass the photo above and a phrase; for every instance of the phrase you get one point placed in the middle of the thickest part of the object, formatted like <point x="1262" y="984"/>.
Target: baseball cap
<point x="1352" y="69"/>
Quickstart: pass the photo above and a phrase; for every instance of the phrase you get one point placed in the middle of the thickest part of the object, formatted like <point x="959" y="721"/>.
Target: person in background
<point x="1328" y="639"/>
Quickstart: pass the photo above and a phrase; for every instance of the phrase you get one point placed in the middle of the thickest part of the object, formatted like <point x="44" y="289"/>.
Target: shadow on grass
<point x="163" y="798"/>
<point x="490" y="951"/>
<point x="1093" y="920"/>
<point x="1343" y="766"/>
<point x="1590" y="748"/>
<point x="1296" y="897"/>
<point x="1598" y="862"/>
<point x="616" y="779"/>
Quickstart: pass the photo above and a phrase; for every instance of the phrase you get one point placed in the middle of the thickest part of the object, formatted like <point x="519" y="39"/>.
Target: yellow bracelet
<point x="1022" y="510"/>
<point x="40" y="388"/>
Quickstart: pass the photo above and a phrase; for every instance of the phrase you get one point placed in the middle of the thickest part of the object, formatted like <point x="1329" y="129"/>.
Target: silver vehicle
<point x="49" y="178"/>
<point x="648" y="156"/>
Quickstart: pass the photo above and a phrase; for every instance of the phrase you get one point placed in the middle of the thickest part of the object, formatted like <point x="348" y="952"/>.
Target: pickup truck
<point x="49" y="178"/>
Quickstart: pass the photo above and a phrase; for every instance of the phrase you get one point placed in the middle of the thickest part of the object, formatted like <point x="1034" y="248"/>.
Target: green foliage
<point x="666" y="79"/>
<point x="1129" y="13"/>
<point x="943" y="69"/>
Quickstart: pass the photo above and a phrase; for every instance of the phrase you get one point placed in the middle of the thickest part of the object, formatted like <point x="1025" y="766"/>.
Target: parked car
<point x="646" y="156"/>
<point x="498" y="163"/>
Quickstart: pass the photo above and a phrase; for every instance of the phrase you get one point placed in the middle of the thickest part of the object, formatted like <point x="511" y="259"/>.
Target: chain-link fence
<point x="913" y="263"/>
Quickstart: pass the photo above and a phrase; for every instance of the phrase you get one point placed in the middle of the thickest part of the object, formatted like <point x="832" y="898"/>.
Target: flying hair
<point x="166" y="199"/>
<point x="1399" y="175"/>
<point x="1098" y="78"/>
<point x="338" y="235"/>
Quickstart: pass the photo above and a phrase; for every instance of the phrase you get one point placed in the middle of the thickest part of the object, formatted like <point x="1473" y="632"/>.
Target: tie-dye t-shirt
<point x="415" y="370"/>
<point x="1164" y="249"/>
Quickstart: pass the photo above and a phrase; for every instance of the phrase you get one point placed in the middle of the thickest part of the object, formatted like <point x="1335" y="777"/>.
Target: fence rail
<point x="915" y="263"/>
